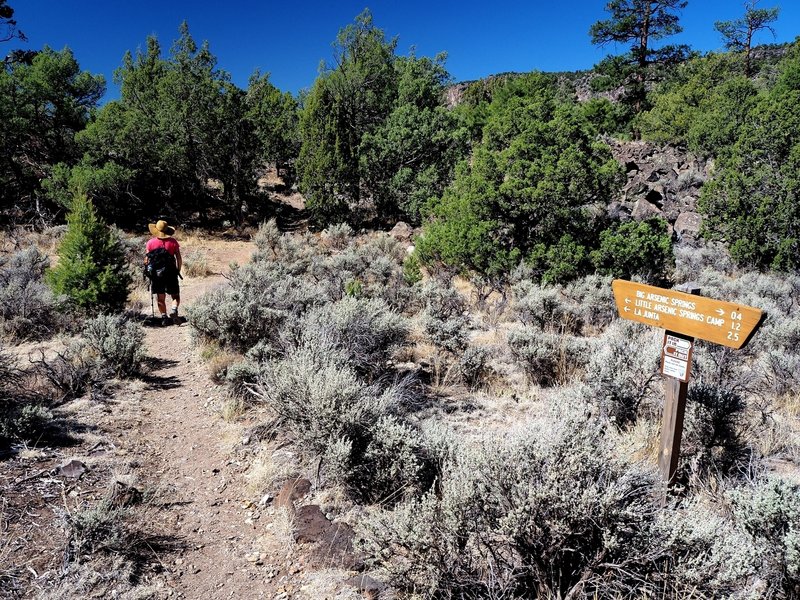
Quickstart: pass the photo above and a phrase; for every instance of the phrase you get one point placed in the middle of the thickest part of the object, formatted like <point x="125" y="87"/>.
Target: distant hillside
<point x="581" y="80"/>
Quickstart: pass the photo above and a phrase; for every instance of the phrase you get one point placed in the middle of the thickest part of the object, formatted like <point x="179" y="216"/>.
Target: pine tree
<point x="91" y="270"/>
<point x="640" y="23"/>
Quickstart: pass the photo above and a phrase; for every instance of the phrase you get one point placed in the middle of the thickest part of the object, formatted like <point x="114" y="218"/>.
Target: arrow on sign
<point x="627" y="300"/>
<point x="627" y="309"/>
<point x="720" y="312"/>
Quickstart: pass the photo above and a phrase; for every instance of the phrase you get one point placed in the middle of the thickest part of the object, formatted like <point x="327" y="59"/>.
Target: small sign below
<point x="676" y="356"/>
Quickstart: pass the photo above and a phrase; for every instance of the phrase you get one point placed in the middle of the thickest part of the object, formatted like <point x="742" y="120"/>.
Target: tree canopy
<point x="640" y="23"/>
<point x="8" y="25"/>
<point x="45" y="100"/>
<point x="176" y="141"/>
<point x="377" y="139"/>
<point x="738" y="33"/>
<point x="527" y="190"/>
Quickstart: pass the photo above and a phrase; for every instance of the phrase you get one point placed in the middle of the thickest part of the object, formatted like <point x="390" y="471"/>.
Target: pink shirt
<point x="171" y="244"/>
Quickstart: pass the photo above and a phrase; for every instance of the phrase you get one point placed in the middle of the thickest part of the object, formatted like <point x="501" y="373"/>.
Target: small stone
<point x="265" y="499"/>
<point x="72" y="469"/>
<point x="179" y="561"/>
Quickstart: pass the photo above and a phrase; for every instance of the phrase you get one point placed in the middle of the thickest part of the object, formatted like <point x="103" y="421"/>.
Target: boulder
<point x="402" y="231"/>
<point x="688" y="224"/>
<point x="618" y="211"/>
<point x="292" y="490"/>
<point x="645" y="210"/>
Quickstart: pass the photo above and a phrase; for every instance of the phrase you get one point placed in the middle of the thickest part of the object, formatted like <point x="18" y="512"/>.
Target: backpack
<point x="159" y="263"/>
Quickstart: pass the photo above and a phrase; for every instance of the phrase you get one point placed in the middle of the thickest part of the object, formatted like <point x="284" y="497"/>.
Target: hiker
<point x="163" y="265"/>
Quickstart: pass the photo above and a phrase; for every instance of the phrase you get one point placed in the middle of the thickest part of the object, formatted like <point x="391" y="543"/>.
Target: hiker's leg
<point x="176" y="300"/>
<point x="162" y="303"/>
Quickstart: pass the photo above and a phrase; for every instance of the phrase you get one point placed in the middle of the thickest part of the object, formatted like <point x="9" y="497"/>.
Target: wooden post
<point x="672" y="424"/>
<point x="671" y="429"/>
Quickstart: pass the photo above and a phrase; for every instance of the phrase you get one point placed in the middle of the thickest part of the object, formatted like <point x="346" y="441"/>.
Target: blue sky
<point x="289" y="38"/>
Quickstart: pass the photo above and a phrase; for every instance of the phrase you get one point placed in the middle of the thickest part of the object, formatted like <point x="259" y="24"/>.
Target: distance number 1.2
<point x="736" y="326"/>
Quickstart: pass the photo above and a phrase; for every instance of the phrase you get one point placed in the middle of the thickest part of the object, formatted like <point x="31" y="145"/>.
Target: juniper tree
<point x="92" y="269"/>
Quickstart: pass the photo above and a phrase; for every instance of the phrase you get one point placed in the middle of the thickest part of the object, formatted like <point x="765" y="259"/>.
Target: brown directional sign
<point x="725" y="323"/>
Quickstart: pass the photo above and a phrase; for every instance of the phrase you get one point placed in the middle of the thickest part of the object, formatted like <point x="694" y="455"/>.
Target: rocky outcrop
<point x="662" y="181"/>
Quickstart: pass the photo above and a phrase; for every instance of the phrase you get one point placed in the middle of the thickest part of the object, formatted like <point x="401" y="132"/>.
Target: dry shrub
<point x="366" y="331"/>
<point x="444" y="318"/>
<point x="547" y="512"/>
<point x="23" y="416"/>
<point x="195" y="264"/>
<point x="623" y="370"/>
<point x="547" y="358"/>
<point x="253" y="308"/>
<point x="28" y="308"/>
<point x="331" y="413"/>
<point x="116" y="343"/>
<point x="545" y="307"/>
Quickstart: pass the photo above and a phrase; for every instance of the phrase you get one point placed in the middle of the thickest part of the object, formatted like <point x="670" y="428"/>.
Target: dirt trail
<point x="214" y="536"/>
<point x="186" y="446"/>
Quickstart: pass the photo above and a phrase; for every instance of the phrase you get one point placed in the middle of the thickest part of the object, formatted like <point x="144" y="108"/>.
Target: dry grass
<point x="196" y="264"/>
<point x="217" y="360"/>
<point x="640" y="442"/>
<point x="269" y="467"/>
<point x="232" y="409"/>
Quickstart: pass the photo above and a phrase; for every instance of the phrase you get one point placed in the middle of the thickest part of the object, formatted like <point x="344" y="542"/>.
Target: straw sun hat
<point x="161" y="230"/>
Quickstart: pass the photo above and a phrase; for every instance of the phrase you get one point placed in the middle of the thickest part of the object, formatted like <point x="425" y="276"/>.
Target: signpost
<point x="684" y="315"/>
<point x="717" y="321"/>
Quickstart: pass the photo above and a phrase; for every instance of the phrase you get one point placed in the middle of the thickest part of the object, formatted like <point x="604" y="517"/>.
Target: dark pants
<point x="168" y="284"/>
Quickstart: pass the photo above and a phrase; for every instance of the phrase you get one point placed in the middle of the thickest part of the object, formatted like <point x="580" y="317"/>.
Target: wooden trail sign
<point x="718" y="321"/>
<point x="684" y="316"/>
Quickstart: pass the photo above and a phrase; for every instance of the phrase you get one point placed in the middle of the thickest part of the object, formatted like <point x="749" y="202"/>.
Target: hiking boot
<point x="165" y="321"/>
<point x="176" y="320"/>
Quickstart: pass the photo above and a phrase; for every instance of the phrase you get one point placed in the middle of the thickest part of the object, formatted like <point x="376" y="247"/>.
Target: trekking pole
<point x="152" y="307"/>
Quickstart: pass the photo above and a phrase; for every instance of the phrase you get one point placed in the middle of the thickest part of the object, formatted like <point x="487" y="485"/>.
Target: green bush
<point x="92" y="270"/>
<point x="525" y="191"/>
<point x="636" y="249"/>
<point x="751" y="204"/>
<point x="411" y="270"/>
